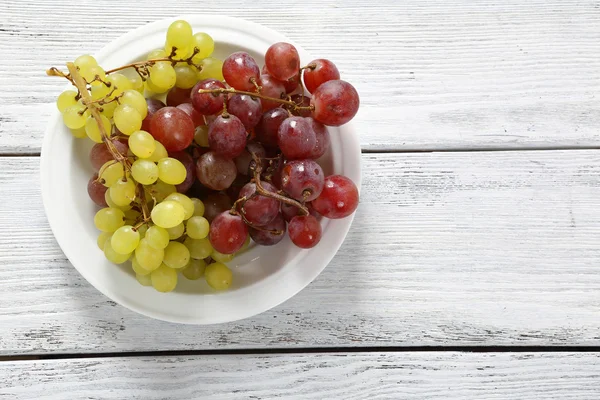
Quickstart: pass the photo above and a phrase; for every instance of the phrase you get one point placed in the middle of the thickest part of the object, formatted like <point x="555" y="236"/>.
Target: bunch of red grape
<point x="230" y="153"/>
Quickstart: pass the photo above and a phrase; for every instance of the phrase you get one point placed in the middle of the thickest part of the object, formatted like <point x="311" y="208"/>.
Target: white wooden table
<point x="472" y="269"/>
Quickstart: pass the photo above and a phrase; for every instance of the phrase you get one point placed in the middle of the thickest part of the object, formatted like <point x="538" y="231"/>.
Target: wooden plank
<point x="427" y="375"/>
<point x="473" y="248"/>
<point x="432" y="75"/>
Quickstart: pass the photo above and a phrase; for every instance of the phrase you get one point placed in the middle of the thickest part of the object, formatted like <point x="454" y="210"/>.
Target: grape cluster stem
<point x="260" y="96"/>
<point x="81" y="85"/>
<point x="264" y="192"/>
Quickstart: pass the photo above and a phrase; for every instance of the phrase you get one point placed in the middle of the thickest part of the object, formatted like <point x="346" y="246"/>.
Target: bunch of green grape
<point x="168" y="233"/>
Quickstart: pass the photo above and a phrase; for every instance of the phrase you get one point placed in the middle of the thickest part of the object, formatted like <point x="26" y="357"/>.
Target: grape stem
<point x="141" y="67"/>
<point x="87" y="100"/>
<point x="309" y="66"/>
<point x="260" y="96"/>
<point x="264" y="192"/>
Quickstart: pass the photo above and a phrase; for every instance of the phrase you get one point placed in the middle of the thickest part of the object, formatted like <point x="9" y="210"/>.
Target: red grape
<point x="259" y="210"/>
<point x="271" y="87"/>
<point x="282" y="61"/>
<point x="302" y="179"/>
<point x="247" y="108"/>
<point x="290" y="84"/>
<point x="322" y="136"/>
<point x="208" y="103"/>
<point x="99" y="154"/>
<point x="239" y="69"/>
<point x="215" y="171"/>
<point x="324" y="71"/>
<point x="289" y="211"/>
<point x="264" y="237"/>
<point x="173" y="128"/>
<point x="335" y="102"/>
<point x="177" y="96"/>
<point x="242" y="162"/>
<point x="153" y="106"/>
<point x="233" y="191"/>
<point x="215" y="204"/>
<point x="305" y="231"/>
<point x="196" y="117"/>
<point x="227" y="136"/>
<point x="296" y="138"/>
<point x="301" y="101"/>
<point x="338" y="199"/>
<point x="276" y="178"/>
<point x="96" y="191"/>
<point x="266" y="130"/>
<point x="228" y="233"/>
<point x="188" y="162"/>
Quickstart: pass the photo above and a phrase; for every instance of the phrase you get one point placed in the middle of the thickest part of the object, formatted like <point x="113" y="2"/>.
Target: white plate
<point x="263" y="277"/>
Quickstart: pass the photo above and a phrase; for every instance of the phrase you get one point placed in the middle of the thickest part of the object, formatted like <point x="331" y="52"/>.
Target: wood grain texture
<point x="473" y="248"/>
<point x="431" y="75"/>
<point x="431" y="375"/>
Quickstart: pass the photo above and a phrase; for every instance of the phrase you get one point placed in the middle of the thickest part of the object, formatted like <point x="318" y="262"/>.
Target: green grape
<point x="211" y="68"/>
<point x="164" y="279"/>
<point x="220" y="257"/>
<point x="120" y="83"/>
<point x="186" y="76"/>
<point x="176" y="255"/>
<point x="91" y="73"/>
<point x="199" y="248"/>
<point x="179" y="34"/>
<point x="167" y="214"/>
<point x="110" y="172"/>
<point x="78" y="133"/>
<point x="197" y="227"/>
<point x="142" y="144"/>
<point x="194" y="270"/>
<point x="245" y="245"/>
<point x="159" y="152"/>
<point x="74" y="117"/>
<point x="109" y="219"/>
<point x="127" y="119"/>
<point x="144" y="171"/>
<point x="92" y="129"/>
<point x="181" y="53"/>
<point x="108" y="110"/>
<point x="125" y="240"/>
<point x="151" y="87"/>
<point x="134" y="78"/>
<point x="137" y="268"/>
<point x="66" y="99"/>
<point x="99" y="91"/>
<point x="148" y="257"/>
<point x="161" y="190"/>
<point x="112" y="256"/>
<point x="163" y="75"/>
<point x="218" y="276"/>
<point x="131" y="216"/>
<point x="186" y="202"/>
<point x="142" y="230"/>
<point x="158" y="53"/>
<point x="205" y="43"/>
<point x="201" y="135"/>
<point x="176" y="231"/>
<point x="136" y="100"/>
<point x="157" y="237"/>
<point x="102" y="238"/>
<point x="171" y="171"/>
<point x="144" y="280"/>
<point x="198" y="207"/>
<point x="122" y="192"/>
<point x="85" y="61"/>
<point x="112" y="204"/>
